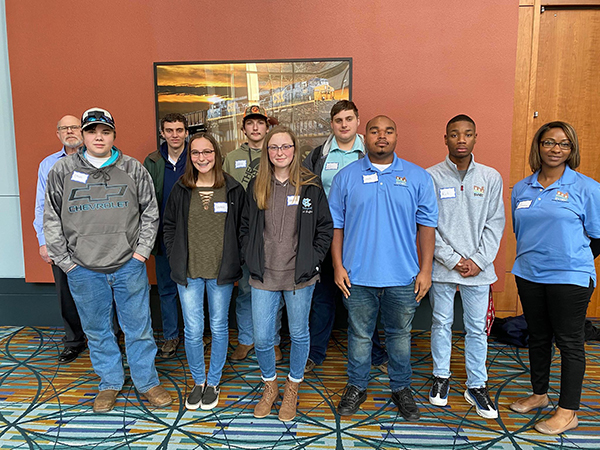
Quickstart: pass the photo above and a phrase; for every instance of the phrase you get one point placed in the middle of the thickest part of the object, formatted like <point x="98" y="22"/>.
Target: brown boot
<point x="278" y="354"/>
<point x="290" y="399"/>
<point x="158" y="397"/>
<point x="270" y="394"/>
<point x="240" y="352"/>
<point x="105" y="400"/>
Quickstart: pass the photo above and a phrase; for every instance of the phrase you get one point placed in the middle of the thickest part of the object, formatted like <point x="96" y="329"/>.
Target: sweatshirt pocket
<point x="105" y="250"/>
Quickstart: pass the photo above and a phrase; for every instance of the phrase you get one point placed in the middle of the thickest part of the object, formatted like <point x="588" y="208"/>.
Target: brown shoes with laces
<point x="269" y="396"/>
<point x="290" y="400"/>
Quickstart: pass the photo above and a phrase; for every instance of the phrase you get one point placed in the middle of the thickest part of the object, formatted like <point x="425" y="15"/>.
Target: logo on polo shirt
<point x="400" y="181"/>
<point x="478" y="191"/>
<point x="561" y="196"/>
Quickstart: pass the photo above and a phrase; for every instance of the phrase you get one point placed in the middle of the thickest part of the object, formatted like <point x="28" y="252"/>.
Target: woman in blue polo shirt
<point x="555" y="213"/>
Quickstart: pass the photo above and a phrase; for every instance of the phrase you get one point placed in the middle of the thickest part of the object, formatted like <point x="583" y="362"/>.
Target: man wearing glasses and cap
<point x="68" y="131"/>
<point x="100" y="223"/>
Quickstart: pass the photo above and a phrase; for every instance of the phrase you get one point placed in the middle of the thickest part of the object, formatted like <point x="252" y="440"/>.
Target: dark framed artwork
<point x="213" y="95"/>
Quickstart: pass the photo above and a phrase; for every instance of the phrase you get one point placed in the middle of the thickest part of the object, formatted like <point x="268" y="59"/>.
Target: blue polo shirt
<point x="553" y="227"/>
<point x="379" y="212"/>
<point x="337" y="159"/>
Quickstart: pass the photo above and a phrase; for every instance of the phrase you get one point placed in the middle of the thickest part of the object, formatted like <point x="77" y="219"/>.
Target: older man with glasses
<point x="68" y="131"/>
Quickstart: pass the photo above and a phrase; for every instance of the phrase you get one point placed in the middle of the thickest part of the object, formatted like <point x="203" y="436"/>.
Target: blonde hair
<point x="299" y="175"/>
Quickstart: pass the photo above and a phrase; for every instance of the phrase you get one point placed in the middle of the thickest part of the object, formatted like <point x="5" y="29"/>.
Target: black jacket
<point x="315" y="232"/>
<point x="176" y="232"/>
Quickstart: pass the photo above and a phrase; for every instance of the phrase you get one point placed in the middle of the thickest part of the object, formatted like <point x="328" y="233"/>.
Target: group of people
<point x="352" y="222"/>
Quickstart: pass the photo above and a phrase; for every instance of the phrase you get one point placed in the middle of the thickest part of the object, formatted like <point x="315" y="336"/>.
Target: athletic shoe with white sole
<point x="438" y="394"/>
<point x="480" y="399"/>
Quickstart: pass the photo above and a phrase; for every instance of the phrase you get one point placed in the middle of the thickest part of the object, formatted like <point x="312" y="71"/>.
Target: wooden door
<point x="567" y="85"/>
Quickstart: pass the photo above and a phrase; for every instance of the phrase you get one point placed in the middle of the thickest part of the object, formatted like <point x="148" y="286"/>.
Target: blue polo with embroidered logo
<point x="379" y="212"/>
<point x="553" y="227"/>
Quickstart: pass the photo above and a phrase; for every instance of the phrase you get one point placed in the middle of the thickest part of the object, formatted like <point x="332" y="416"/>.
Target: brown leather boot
<point x="240" y="352"/>
<point x="105" y="400"/>
<point x="269" y="396"/>
<point x="290" y="399"/>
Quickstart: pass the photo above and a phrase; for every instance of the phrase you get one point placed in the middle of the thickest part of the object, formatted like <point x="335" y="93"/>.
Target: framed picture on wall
<point x="213" y="95"/>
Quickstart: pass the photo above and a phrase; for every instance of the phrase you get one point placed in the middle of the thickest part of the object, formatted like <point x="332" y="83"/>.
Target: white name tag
<point x="373" y="178"/>
<point x="241" y="164"/>
<point x="524" y="204"/>
<point x="293" y="200"/>
<point x="79" y="177"/>
<point x="220" y="207"/>
<point x="449" y="192"/>
<point x="332" y="166"/>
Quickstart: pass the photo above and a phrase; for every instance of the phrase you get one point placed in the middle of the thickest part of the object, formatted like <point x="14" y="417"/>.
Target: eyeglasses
<point x="549" y="143"/>
<point x="284" y="147"/>
<point x="205" y="153"/>
<point x="70" y="128"/>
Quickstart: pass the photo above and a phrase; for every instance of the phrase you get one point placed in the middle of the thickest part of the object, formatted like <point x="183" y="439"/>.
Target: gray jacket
<point x="97" y="218"/>
<point x="471" y="221"/>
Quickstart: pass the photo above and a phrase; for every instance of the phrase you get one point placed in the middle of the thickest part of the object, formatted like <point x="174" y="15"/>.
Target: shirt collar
<point x="569" y="176"/>
<point x="368" y="166"/>
<point x="356" y="147"/>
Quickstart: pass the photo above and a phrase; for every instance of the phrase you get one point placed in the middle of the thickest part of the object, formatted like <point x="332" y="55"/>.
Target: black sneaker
<point x="351" y="400"/>
<point x="438" y="394"/>
<point x="210" y="397"/>
<point x="480" y="398"/>
<point x="405" y="402"/>
<point x="194" y="399"/>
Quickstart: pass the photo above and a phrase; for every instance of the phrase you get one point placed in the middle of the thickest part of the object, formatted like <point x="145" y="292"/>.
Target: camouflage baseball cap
<point x="255" y="110"/>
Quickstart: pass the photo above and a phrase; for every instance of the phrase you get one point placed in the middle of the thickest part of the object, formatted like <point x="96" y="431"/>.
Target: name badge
<point x="373" y="178"/>
<point x="220" y="207"/>
<point x="448" y="192"/>
<point x="332" y="166"/>
<point x="241" y="164"/>
<point x="79" y="177"/>
<point x="524" y="204"/>
<point x="293" y="200"/>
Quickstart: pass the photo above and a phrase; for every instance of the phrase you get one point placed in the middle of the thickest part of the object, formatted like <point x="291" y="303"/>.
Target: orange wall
<point x="420" y="62"/>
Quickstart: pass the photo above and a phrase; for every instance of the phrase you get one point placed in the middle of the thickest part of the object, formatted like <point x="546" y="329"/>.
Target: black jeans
<point x="556" y="311"/>
<point x="74" y="336"/>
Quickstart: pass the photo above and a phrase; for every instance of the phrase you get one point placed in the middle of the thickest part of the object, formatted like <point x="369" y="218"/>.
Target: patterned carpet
<point x="47" y="406"/>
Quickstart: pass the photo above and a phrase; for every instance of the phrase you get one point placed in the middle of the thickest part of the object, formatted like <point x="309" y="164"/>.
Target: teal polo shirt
<point x="337" y="159"/>
<point x="553" y="227"/>
<point x="379" y="213"/>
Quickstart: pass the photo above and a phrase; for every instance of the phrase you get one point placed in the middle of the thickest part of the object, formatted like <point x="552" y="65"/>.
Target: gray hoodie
<point x="471" y="221"/>
<point x="97" y="218"/>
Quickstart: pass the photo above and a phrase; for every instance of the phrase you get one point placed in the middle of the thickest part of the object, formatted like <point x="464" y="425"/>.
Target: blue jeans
<point x="398" y="306"/>
<point x="192" y="306"/>
<point x="475" y="301"/>
<point x="94" y="293"/>
<point x="265" y="307"/>
<point x="322" y="318"/>
<point x="243" y="312"/>
<point x="167" y="289"/>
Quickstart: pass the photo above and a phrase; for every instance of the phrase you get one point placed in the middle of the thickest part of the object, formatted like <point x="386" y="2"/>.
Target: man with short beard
<point x="68" y="132"/>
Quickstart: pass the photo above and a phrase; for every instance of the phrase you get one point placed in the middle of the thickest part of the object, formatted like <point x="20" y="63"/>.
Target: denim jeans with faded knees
<point x="243" y="312"/>
<point x="192" y="306"/>
<point x="265" y="305"/>
<point x="398" y="306"/>
<point x="167" y="290"/>
<point x="475" y="301"/>
<point x="93" y="293"/>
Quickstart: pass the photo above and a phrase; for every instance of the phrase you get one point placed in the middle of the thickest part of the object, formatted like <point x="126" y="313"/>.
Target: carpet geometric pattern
<point x="44" y="405"/>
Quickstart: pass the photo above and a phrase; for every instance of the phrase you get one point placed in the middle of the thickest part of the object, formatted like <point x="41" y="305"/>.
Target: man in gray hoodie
<point x="470" y="226"/>
<point x="100" y="223"/>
